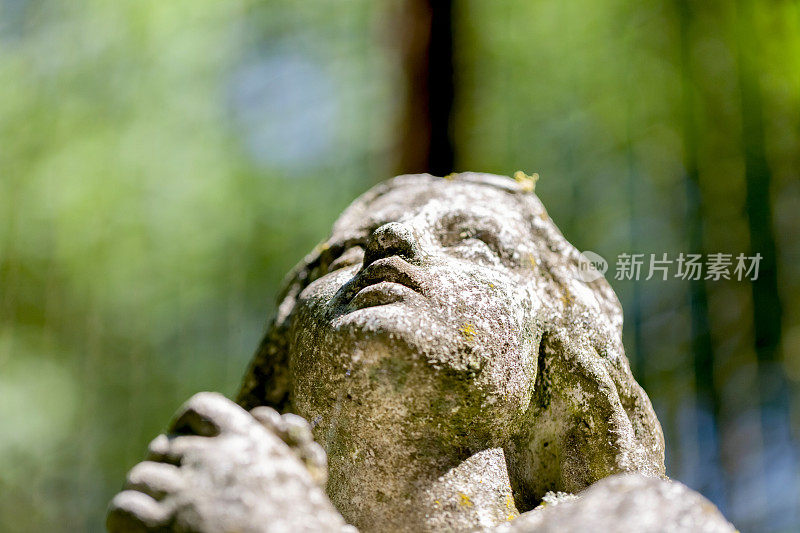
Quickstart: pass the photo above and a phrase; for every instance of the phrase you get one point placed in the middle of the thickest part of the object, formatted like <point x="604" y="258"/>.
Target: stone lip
<point x="392" y="269"/>
<point x="381" y="293"/>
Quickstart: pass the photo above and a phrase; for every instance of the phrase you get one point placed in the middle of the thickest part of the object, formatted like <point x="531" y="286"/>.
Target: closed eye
<point x="463" y="235"/>
<point x="334" y="258"/>
<point x="351" y="256"/>
<point x="490" y="239"/>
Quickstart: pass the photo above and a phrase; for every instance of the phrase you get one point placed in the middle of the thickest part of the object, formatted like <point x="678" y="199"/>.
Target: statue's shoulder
<point x="624" y="503"/>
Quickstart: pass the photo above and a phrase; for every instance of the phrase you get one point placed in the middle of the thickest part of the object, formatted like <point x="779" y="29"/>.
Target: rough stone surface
<point x="625" y="503"/>
<point x="442" y="318"/>
<point x="451" y="361"/>
<point x="219" y="469"/>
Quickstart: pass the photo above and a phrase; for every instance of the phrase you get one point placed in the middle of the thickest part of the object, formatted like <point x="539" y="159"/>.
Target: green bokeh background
<point x="164" y="163"/>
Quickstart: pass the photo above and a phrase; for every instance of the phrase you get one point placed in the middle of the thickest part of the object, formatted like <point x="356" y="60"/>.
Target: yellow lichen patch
<point x="510" y="506"/>
<point x="465" y="501"/>
<point x="567" y="298"/>
<point x="526" y="183"/>
<point x="450" y="176"/>
<point x="532" y="260"/>
<point x="468" y="331"/>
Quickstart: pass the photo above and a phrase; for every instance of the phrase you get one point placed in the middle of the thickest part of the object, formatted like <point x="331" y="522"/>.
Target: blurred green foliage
<point x="642" y="119"/>
<point x="141" y="239"/>
<point x="163" y="164"/>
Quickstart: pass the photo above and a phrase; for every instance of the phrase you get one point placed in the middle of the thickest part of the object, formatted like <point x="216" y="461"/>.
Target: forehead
<point x="436" y="199"/>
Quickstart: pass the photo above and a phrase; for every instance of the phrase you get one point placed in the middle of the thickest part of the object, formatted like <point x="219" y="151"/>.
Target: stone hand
<point x="221" y="468"/>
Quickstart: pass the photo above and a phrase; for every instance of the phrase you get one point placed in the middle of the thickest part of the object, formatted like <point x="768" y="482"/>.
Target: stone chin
<point x="401" y="329"/>
<point x="405" y="343"/>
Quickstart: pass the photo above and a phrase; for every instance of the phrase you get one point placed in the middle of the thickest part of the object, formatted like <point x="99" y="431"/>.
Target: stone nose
<point x="394" y="238"/>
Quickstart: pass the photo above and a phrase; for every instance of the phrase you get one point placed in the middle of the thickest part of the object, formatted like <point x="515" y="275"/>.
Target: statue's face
<point x="427" y="309"/>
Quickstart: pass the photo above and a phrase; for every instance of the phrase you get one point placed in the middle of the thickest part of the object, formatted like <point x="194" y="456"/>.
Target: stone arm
<point x="590" y="420"/>
<point x="221" y="468"/>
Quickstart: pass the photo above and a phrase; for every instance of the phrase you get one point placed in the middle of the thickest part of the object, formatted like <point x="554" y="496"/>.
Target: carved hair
<point x="581" y="348"/>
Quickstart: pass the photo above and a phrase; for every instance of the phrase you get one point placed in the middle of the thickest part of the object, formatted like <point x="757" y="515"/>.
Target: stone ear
<point x="588" y="419"/>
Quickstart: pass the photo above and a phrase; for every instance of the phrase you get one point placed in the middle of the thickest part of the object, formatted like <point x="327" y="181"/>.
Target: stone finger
<point x="171" y="449"/>
<point x="155" y="479"/>
<point x="270" y="419"/>
<point x="132" y="511"/>
<point x="208" y="414"/>
<point x="298" y="430"/>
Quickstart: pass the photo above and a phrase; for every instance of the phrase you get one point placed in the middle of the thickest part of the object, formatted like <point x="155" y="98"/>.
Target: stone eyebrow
<point x="339" y="247"/>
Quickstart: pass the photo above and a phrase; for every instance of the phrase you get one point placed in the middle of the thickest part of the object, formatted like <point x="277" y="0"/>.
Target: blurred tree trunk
<point x="772" y="382"/>
<point x="637" y="355"/>
<point x="706" y="388"/>
<point x="426" y="46"/>
<point x="780" y="456"/>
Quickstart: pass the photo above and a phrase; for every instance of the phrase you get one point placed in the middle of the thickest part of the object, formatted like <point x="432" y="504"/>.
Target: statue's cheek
<point x="323" y="291"/>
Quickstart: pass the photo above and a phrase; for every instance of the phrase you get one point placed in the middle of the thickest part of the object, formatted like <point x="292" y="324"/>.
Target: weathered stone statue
<point x="448" y="357"/>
